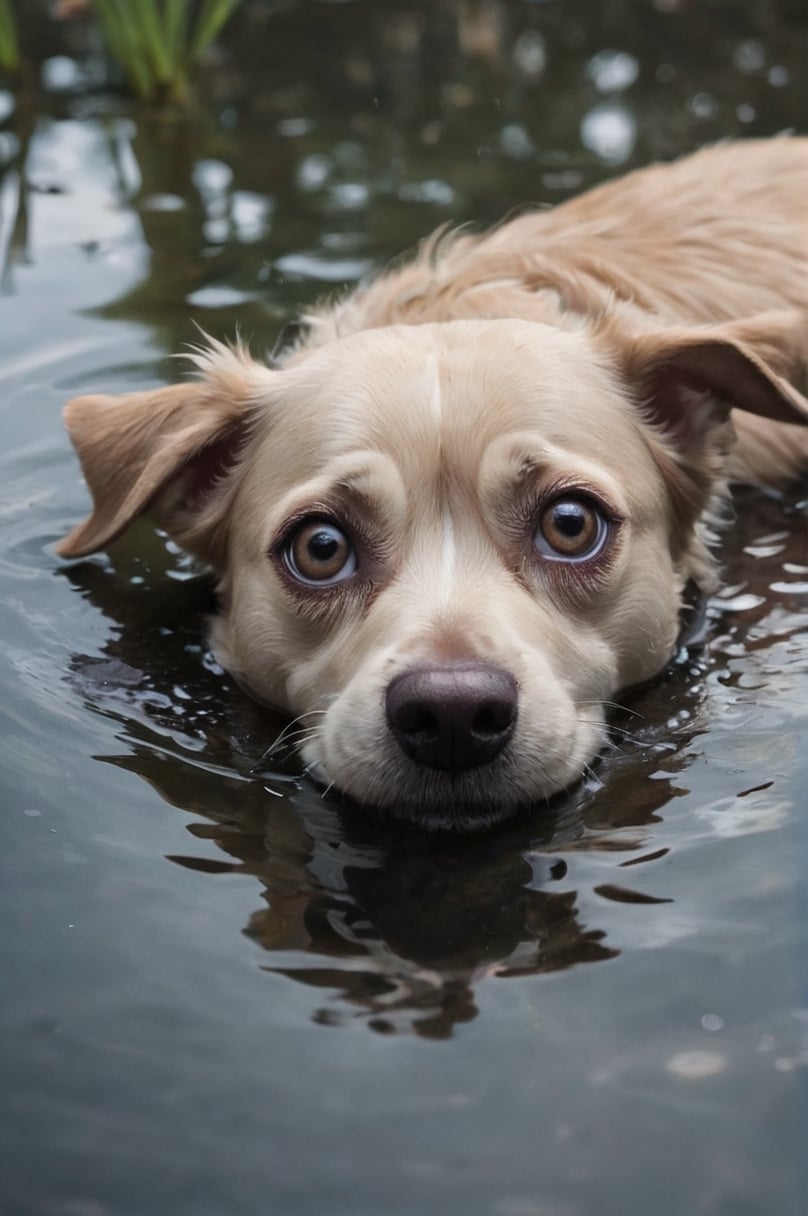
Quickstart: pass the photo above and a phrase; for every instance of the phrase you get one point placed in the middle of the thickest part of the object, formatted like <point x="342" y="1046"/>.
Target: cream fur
<point x="593" y="350"/>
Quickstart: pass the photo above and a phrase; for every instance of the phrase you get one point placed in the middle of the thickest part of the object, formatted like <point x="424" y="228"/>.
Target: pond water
<point x="222" y="993"/>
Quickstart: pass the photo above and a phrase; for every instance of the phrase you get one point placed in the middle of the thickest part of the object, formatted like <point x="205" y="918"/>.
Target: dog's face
<point x="443" y="565"/>
<point x="444" y="549"/>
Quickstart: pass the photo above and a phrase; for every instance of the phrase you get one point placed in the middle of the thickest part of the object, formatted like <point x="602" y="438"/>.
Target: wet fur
<point x="644" y="343"/>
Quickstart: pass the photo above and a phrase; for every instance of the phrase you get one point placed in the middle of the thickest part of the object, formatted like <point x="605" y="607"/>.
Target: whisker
<point x="286" y="735"/>
<point x="294" y="738"/>
<point x="635" y="713"/>
<point x="625" y="735"/>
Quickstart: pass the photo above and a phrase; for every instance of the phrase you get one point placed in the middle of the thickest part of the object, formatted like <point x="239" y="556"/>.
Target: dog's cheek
<point x="561" y="727"/>
<point x="643" y="622"/>
<point x="220" y="641"/>
<point x="254" y="639"/>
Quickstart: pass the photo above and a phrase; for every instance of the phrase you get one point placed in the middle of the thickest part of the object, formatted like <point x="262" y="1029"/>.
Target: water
<point x="224" y="994"/>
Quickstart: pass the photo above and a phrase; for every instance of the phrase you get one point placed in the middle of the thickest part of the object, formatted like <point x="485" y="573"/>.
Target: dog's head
<point x="442" y="548"/>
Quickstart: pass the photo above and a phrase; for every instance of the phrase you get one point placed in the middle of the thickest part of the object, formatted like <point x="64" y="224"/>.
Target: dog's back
<point x="718" y="236"/>
<point x="715" y="236"/>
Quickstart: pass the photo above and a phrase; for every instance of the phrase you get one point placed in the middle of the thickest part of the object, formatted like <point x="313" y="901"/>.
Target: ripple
<point x="327" y="270"/>
<point x="694" y="1065"/>
<point x="218" y="296"/>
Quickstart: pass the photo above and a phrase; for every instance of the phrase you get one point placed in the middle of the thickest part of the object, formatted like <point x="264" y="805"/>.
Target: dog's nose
<point x="452" y="717"/>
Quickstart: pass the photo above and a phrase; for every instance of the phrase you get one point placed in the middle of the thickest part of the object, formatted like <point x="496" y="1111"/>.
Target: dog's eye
<point x="320" y="552"/>
<point x="569" y="529"/>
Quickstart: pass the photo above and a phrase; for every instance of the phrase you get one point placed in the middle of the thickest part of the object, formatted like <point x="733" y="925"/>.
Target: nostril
<point x="416" y="720"/>
<point x="493" y="718"/>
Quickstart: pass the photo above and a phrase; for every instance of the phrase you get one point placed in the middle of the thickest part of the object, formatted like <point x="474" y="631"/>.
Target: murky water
<point x="223" y="994"/>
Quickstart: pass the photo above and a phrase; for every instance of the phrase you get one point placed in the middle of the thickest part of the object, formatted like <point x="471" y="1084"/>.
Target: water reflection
<point x="398" y="928"/>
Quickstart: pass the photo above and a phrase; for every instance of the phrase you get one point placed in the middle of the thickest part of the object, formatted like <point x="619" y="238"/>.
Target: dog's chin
<point x="474" y="801"/>
<point x="455" y="815"/>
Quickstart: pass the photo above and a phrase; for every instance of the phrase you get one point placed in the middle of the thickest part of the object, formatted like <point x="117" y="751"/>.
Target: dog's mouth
<point x="458" y="816"/>
<point x="474" y="801"/>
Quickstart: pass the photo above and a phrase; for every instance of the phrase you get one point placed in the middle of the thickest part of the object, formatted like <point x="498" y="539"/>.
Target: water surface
<point x="224" y="994"/>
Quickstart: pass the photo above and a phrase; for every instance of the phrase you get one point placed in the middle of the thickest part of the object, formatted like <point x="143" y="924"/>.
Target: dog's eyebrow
<point x="367" y="481"/>
<point x="510" y="468"/>
<point x="367" y="486"/>
<point x="513" y="468"/>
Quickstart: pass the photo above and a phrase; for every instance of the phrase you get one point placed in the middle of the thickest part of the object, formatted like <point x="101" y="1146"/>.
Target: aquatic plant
<point x="9" y="45"/>
<point x="160" y="42"/>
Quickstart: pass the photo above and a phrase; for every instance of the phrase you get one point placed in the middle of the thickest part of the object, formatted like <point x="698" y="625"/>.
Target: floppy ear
<point x="686" y="382"/>
<point x="168" y="451"/>
<point x="689" y="379"/>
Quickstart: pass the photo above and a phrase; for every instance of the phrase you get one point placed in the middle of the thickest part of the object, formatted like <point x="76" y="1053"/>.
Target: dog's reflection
<point x="398" y="926"/>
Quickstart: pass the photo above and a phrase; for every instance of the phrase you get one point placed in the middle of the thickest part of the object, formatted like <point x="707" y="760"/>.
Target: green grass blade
<point x="176" y="28"/>
<point x="122" y="32"/>
<point x="211" y="19"/>
<point x="9" y="44"/>
<point x="158" y="41"/>
<point x="153" y="38"/>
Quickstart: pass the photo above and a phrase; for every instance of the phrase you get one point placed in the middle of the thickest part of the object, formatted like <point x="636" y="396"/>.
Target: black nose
<point x="453" y="717"/>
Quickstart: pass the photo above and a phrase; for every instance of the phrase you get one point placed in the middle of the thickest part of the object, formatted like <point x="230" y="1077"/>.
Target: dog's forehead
<point x="418" y="392"/>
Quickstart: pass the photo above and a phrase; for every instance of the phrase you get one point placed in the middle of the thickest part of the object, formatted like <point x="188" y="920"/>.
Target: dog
<point x="456" y="519"/>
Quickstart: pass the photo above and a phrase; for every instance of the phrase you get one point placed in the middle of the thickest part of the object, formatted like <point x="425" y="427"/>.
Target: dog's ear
<point x="686" y="381"/>
<point x="168" y="451"/>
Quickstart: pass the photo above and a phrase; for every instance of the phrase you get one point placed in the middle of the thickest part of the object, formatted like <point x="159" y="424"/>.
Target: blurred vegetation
<point x="157" y="43"/>
<point x="9" y="42"/>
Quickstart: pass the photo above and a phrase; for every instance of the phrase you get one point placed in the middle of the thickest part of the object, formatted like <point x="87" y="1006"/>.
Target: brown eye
<point x="570" y="529"/>
<point x="320" y="552"/>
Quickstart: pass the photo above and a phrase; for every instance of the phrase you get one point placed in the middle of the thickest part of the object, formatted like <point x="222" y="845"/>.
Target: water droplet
<point x="61" y="74"/>
<point x="610" y="131"/>
<point x="612" y="71"/>
<point x="350" y="196"/>
<point x="530" y="53"/>
<point x="250" y="214"/>
<point x="516" y="141"/>
<point x="703" y="106"/>
<point x="293" y="127"/>
<point x="211" y="177"/>
<point x="433" y="190"/>
<point x="749" y="57"/>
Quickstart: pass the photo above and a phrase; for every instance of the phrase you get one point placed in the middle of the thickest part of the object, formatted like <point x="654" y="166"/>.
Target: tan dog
<point x="459" y="519"/>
